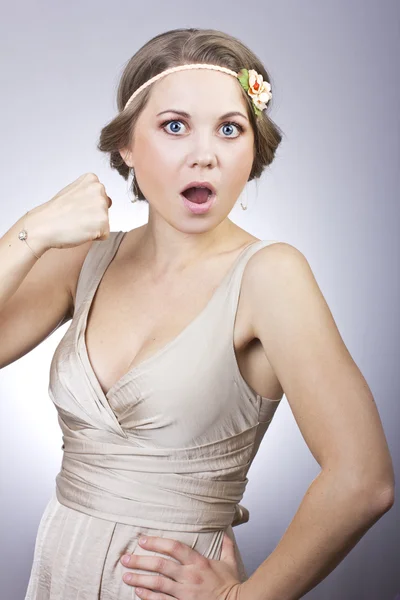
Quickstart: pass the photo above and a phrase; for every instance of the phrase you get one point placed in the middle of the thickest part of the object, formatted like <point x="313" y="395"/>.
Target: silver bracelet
<point x="23" y="234"/>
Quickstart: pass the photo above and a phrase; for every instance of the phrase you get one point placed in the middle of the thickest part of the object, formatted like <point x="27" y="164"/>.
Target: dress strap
<point x="99" y="256"/>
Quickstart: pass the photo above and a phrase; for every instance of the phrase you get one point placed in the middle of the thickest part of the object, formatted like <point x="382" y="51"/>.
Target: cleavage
<point x="126" y="322"/>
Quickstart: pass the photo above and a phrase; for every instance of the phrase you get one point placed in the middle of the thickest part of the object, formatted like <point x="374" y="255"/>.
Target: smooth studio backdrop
<point x="332" y="191"/>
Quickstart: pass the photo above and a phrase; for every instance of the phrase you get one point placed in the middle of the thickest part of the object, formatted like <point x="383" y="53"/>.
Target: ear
<point x="126" y="156"/>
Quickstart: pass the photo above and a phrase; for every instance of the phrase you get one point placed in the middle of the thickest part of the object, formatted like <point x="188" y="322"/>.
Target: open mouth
<point x="199" y="195"/>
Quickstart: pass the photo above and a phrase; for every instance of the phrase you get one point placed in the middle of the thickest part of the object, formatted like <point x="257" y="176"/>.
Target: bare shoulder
<point x="280" y="282"/>
<point x="274" y="254"/>
<point x="269" y="263"/>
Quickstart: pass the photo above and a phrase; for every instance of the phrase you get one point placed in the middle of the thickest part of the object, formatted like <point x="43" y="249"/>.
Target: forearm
<point x="327" y="525"/>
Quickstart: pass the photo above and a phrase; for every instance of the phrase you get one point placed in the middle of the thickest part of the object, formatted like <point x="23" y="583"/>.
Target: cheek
<point x="240" y="164"/>
<point x="153" y="163"/>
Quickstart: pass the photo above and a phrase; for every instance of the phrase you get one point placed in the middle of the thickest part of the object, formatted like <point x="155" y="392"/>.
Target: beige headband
<point x="251" y="81"/>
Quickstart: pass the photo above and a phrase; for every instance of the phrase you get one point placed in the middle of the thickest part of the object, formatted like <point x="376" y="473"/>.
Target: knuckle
<point x="98" y="186"/>
<point x="160" y="564"/>
<point x="160" y="582"/>
<point x="175" y="546"/>
<point x="91" y="177"/>
<point x="203" y="561"/>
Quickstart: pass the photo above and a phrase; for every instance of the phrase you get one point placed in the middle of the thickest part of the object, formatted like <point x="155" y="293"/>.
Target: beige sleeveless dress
<point x="165" y="452"/>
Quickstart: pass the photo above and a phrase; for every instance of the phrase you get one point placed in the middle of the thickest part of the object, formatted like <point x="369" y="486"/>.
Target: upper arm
<point x="42" y="302"/>
<point x="328" y="395"/>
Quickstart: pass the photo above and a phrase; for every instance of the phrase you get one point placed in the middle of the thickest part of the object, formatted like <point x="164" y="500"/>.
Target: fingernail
<point x="127" y="577"/>
<point x="142" y="540"/>
<point x="125" y="559"/>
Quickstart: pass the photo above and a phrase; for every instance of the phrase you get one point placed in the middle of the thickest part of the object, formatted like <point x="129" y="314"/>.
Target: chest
<point x="138" y="324"/>
<point x="126" y="329"/>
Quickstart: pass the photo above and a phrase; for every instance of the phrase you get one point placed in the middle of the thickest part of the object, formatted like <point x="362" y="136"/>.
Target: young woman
<point x="184" y="335"/>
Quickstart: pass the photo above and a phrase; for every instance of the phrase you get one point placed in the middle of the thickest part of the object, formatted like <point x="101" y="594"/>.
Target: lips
<point x="199" y="184"/>
<point x="198" y="195"/>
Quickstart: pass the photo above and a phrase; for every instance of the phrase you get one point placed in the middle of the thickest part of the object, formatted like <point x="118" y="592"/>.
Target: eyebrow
<point x="187" y="115"/>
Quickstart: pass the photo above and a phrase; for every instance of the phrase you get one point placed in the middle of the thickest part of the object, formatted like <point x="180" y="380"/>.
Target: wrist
<point x="249" y="591"/>
<point x="31" y="232"/>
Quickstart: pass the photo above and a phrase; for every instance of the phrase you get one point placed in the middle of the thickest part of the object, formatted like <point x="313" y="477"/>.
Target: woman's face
<point x="170" y="150"/>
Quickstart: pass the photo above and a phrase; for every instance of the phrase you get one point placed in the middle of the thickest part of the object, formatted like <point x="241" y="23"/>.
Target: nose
<point x="206" y="161"/>
<point x="203" y="154"/>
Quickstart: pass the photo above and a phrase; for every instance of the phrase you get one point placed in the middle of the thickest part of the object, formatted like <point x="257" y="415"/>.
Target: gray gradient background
<point x="333" y="192"/>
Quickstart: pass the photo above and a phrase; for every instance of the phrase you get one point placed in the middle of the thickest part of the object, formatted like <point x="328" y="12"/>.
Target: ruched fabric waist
<point x="195" y="489"/>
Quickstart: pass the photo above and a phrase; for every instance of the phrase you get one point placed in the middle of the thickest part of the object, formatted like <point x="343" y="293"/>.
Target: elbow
<point x="384" y="499"/>
<point x="375" y="494"/>
<point x="380" y="497"/>
<point x="375" y="482"/>
<point x="382" y="488"/>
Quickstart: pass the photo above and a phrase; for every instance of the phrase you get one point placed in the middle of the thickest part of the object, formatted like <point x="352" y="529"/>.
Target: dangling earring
<point x="241" y="203"/>
<point x="135" y="197"/>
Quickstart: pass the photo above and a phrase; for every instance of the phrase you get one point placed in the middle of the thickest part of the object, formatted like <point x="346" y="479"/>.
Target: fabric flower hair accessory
<point x="258" y="89"/>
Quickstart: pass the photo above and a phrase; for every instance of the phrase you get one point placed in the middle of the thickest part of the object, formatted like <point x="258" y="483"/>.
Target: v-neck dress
<point x="165" y="452"/>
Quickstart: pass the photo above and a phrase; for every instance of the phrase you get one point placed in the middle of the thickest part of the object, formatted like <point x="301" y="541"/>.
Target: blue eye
<point x="168" y="122"/>
<point x="228" y="124"/>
